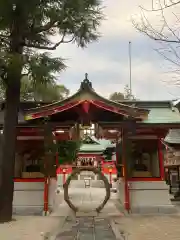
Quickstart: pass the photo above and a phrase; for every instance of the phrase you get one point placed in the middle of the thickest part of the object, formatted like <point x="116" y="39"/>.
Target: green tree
<point x="42" y="92"/>
<point x="25" y="27"/>
<point x="2" y="92"/>
<point x="116" y="96"/>
<point x="37" y="91"/>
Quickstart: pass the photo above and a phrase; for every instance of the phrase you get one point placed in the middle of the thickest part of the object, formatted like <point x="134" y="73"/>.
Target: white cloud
<point x="118" y="15"/>
<point x="143" y="75"/>
<point x="109" y="74"/>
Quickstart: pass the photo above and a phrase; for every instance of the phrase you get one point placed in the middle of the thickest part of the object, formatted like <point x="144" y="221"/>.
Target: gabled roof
<point x="106" y="143"/>
<point x="173" y="136"/>
<point x="86" y="97"/>
<point x="90" y="140"/>
<point x="176" y="102"/>
<point x="97" y="145"/>
<point x="161" y="115"/>
<point x="160" y="112"/>
<point x="89" y="148"/>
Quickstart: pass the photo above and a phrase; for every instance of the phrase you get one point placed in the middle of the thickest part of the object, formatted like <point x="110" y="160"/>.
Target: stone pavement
<point x="132" y="227"/>
<point x="87" y="224"/>
<point x="86" y="228"/>
<point x="63" y="225"/>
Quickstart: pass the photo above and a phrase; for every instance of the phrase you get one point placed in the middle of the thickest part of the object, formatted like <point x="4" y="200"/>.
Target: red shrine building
<point x="137" y="127"/>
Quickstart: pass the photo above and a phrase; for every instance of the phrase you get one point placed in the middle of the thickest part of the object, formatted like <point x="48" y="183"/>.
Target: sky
<point x="107" y="62"/>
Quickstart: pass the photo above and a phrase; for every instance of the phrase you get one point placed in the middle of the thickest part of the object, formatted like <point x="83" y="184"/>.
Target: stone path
<point x="87" y="225"/>
<point x="88" y="199"/>
<point x="87" y="228"/>
<point x="63" y="225"/>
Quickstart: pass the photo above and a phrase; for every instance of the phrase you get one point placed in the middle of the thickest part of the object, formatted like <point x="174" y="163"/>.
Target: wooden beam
<point x="43" y="112"/>
<point x="113" y="125"/>
<point x="55" y="125"/>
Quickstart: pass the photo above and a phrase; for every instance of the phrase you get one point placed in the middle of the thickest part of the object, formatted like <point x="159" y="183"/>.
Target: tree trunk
<point x="7" y="159"/>
<point x="13" y="84"/>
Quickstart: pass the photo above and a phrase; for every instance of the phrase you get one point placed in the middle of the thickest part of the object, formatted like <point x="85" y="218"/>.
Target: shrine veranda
<point x="136" y="127"/>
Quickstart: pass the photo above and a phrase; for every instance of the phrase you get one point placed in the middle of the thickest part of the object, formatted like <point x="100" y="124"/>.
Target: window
<point x="29" y="159"/>
<point x="144" y="161"/>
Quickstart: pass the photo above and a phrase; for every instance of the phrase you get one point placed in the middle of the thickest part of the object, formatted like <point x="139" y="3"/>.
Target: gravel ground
<point x="28" y="228"/>
<point x="149" y="227"/>
<point x="134" y="227"/>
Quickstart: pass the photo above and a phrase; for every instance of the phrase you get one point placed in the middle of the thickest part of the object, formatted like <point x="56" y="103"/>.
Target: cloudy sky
<point x="106" y="61"/>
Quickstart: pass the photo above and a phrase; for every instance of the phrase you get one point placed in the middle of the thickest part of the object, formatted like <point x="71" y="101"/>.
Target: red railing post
<point x="161" y="159"/>
<point x="124" y="160"/>
<point x="64" y="176"/>
<point x="46" y="190"/>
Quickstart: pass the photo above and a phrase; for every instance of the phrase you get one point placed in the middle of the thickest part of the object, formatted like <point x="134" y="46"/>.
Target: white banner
<point x="172" y="162"/>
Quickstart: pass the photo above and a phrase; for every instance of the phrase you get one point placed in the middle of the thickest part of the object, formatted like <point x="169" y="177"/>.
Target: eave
<point x="118" y="125"/>
<point x="85" y="97"/>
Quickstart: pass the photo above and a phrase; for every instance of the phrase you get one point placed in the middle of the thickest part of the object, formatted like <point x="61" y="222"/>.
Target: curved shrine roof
<point x="87" y="100"/>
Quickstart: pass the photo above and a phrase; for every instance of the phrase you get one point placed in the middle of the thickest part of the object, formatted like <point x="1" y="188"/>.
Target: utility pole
<point x="130" y="70"/>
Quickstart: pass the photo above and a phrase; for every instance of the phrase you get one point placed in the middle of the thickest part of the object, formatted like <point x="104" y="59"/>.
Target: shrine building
<point x="137" y="127"/>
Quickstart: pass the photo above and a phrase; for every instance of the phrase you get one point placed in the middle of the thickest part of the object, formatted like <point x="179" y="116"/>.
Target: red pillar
<point x="110" y="176"/>
<point x="117" y="155"/>
<point x="126" y="188"/>
<point x="57" y="158"/>
<point x="161" y="159"/>
<point x="64" y="176"/>
<point x="57" y="161"/>
<point x="46" y="190"/>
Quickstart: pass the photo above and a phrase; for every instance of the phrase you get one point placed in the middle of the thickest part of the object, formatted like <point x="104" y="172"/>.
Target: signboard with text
<point x="172" y="162"/>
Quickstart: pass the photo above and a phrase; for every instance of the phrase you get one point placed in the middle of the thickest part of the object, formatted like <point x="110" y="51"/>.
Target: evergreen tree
<point x="37" y="91"/>
<point x="48" y="92"/>
<point x="116" y="96"/>
<point x="25" y="27"/>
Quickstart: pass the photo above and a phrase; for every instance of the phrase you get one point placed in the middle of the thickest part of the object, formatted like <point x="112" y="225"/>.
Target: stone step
<point x="81" y="184"/>
<point x="97" y="184"/>
<point x="87" y="173"/>
<point x="86" y="214"/>
<point x="77" y="184"/>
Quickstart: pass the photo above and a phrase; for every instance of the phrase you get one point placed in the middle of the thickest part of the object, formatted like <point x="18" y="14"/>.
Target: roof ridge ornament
<point x="86" y="84"/>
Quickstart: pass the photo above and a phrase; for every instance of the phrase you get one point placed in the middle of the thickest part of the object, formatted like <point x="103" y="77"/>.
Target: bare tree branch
<point x="158" y="35"/>
<point x="46" y="27"/>
<point x="166" y="23"/>
<point x="167" y="34"/>
<point x="52" y="22"/>
<point x="162" y="40"/>
<point x="165" y="56"/>
<point x="38" y="46"/>
<point x="166" y="4"/>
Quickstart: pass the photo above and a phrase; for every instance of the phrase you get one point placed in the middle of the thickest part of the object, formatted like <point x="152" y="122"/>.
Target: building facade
<point x="137" y="127"/>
